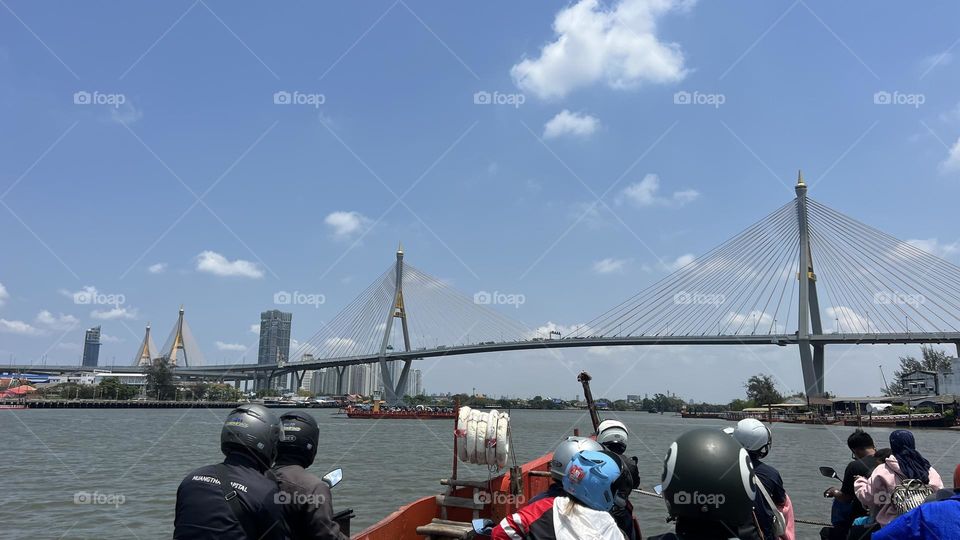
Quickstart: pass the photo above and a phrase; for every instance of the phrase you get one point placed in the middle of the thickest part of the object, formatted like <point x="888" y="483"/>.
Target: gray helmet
<point x="707" y="476"/>
<point x="254" y="429"/>
<point x="565" y="451"/>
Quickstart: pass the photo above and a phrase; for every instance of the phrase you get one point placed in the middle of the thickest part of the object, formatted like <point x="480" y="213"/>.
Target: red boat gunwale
<point x="402" y="524"/>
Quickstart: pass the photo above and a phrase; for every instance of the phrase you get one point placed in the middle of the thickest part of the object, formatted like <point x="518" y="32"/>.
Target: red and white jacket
<point x="557" y="518"/>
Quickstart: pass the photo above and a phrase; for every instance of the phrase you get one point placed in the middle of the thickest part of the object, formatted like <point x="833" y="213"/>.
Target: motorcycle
<point x="840" y="516"/>
<point x="343" y="517"/>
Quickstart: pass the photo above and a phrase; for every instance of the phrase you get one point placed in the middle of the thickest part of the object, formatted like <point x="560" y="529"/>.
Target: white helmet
<point x="565" y="452"/>
<point x="612" y="433"/>
<point x="754" y="436"/>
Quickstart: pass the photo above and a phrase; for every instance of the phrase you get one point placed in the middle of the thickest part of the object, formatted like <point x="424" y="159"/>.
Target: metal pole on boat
<point x="584" y="379"/>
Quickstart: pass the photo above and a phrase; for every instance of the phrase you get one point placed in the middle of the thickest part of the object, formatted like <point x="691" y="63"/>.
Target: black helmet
<point x="251" y="428"/>
<point x="707" y="476"/>
<point x="299" y="438"/>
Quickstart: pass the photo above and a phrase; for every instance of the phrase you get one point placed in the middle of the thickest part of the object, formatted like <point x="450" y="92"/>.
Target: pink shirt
<point x="875" y="492"/>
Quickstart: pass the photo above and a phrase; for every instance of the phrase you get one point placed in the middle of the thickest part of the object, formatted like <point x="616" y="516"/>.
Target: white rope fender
<point x="483" y="438"/>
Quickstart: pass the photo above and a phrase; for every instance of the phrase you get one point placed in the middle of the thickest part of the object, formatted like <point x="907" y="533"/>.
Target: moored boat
<point x="377" y="412"/>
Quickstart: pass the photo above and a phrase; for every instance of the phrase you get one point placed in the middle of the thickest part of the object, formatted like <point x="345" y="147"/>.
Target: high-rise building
<point x="274" y="337"/>
<point x="417" y="383"/>
<point x="91" y="347"/>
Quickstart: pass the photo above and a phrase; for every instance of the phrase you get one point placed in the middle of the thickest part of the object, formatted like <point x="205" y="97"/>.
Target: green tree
<point x="223" y="392"/>
<point x="762" y="390"/>
<point x="268" y="392"/>
<point x="160" y="379"/>
<point x="112" y="388"/>
<point x="932" y="359"/>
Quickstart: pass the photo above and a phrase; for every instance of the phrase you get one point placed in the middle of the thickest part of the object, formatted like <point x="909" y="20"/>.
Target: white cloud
<point x="115" y="313"/>
<point x="568" y="123"/>
<point x="60" y="322"/>
<point x="110" y="339"/>
<point x="952" y="163"/>
<point x="234" y="347"/>
<point x="934" y="247"/>
<point x="158" y="268"/>
<point x="754" y="322"/>
<point x="255" y="328"/>
<point x="846" y="320"/>
<point x="4" y="295"/>
<point x="609" y="266"/>
<point x="615" y="45"/>
<point x="646" y="192"/>
<point x="214" y="263"/>
<point x="19" y="327"/>
<point x="544" y="330"/>
<point x="679" y="262"/>
<point x="126" y="113"/>
<point x="346" y="225"/>
<point x="339" y="342"/>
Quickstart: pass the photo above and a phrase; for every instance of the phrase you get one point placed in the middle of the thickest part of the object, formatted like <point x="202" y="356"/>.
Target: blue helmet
<point x="589" y="477"/>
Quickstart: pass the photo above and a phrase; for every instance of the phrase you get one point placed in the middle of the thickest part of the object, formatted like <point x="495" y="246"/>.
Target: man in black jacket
<point x="233" y="500"/>
<point x="307" y="504"/>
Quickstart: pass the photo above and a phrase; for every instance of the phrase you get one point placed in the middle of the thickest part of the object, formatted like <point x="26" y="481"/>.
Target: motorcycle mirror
<point x="333" y="477"/>
<point x="829" y="472"/>
<point x="658" y="489"/>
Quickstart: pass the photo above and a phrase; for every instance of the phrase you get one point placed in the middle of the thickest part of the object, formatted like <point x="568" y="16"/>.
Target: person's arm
<point x="270" y="521"/>
<point x="863" y="489"/>
<point x="319" y="515"/>
<point x="935" y="479"/>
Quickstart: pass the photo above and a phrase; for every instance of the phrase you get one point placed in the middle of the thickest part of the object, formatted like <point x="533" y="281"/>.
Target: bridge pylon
<point x="393" y="387"/>
<point x="811" y="354"/>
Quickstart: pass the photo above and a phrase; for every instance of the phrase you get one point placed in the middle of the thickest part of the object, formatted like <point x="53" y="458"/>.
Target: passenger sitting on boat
<point x="307" y="503"/>
<point x="933" y="520"/>
<point x="612" y="434"/>
<point x="590" y="485"/>
<point x="708" y="488"/>
<point x="233" y="500"/>
<point x="562" y="455"/>
<point x="757" y="439"/>
<point x="906" y="463"/>
<point x="863" y="451"/>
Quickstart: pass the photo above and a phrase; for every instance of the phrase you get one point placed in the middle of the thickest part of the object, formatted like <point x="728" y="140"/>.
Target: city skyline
<point x="285" y="178"/>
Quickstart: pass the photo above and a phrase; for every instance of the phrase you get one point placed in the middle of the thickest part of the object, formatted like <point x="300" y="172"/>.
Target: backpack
<point x="909" y="494"/>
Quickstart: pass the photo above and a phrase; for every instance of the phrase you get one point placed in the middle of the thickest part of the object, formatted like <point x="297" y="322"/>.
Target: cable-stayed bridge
<point x="805" y="275"/>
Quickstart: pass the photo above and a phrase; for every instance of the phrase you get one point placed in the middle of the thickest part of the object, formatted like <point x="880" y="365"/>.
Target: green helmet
<point x="707" y="476"/>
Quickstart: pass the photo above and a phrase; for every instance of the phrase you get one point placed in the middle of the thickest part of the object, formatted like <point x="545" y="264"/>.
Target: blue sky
<point x="185" y="163"/>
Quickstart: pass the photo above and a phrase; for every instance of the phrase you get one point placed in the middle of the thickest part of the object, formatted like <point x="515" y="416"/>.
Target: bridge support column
<point x="340" y="371"/>
<point x="299" y="376"/>
<point x="811" y="362"/>
<point x="397" y="311"/>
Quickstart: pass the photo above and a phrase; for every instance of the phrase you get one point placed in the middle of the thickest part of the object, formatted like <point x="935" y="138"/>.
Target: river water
<point x="132" y="460"/>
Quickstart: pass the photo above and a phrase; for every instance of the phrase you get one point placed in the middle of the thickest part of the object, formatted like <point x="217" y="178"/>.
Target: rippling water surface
<point x="134" y="459"/>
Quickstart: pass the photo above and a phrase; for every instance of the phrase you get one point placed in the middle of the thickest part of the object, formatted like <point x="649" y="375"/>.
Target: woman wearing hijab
<point x="905" y="463"/>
